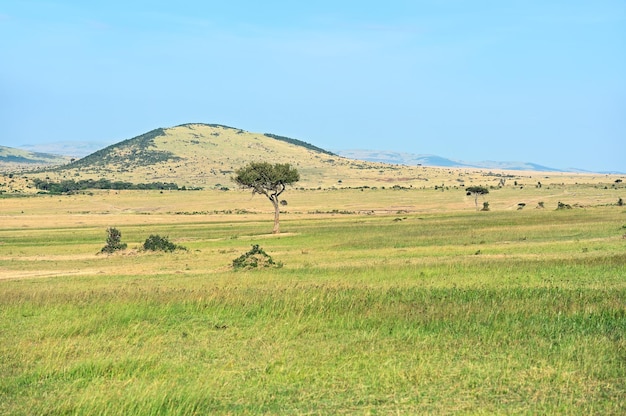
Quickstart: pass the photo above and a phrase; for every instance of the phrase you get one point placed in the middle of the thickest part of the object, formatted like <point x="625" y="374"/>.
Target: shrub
<point x="620" y="202"/>
<point x="485" y="206"/>
<point x="253" y="259"/>
<point x="114" y="241"/>
<point x="158" y="243"/>
<point x="561" y="205"/>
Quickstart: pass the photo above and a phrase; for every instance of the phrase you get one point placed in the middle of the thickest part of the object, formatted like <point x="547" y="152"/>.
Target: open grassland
<point x="389" y="302"/>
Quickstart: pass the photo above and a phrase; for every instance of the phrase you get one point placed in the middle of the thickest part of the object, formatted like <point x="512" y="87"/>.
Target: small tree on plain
<point x="269" y="180"/>
<point x="476" y="191"/>
<point x="114" y="241"/>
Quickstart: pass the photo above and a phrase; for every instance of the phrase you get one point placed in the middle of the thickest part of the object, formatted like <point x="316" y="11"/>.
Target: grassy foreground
<point x="502" y="312"/>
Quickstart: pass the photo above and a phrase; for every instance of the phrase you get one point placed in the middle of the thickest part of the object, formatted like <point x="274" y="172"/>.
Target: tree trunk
<point x="276" y="213"/>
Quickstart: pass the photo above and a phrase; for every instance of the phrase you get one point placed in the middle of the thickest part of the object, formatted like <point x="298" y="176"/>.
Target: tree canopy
<point x="476" y="191"/>
<point x="480" y="190"/>
<point x="269" y="180"/>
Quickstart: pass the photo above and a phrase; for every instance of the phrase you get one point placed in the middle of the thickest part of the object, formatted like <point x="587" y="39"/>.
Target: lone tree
<point x="476" y="191"/>
<point x="114" y="241"/>
<point x="269" y="180"/>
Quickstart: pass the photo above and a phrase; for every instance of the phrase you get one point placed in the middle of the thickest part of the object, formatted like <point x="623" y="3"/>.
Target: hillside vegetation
<point x="204" y="156"/>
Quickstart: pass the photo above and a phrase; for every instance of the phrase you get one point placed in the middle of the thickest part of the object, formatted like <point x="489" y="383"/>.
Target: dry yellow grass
<point x="113" y="206"/>
<point x="91" y="213"/>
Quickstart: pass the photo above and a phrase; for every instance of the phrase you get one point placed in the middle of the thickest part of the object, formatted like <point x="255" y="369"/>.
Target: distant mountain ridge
<point x="10" y="155"/>
<point x="74" y="149"/>
<point x="411" y="159"/>
<point x="82" y="149"/>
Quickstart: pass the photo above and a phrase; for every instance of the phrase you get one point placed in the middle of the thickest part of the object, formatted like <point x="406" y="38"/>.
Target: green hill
<point x="206" y="156"/>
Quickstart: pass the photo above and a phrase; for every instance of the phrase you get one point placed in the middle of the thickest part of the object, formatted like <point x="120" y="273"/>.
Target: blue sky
<point x="536" y="81"/>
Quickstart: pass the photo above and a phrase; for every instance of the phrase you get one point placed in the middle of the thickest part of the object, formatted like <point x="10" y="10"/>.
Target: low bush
<point x="254" y="259"/>
<point x="158" y="243"/>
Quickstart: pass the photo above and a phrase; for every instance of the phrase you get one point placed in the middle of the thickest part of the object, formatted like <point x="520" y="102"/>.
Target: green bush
<point x="114" y="241"/>
<point x="158" y="243"/>
<point x="253" y="259"/>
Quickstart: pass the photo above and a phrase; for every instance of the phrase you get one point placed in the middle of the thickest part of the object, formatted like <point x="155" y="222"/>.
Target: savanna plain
<point x="388" y="301"/>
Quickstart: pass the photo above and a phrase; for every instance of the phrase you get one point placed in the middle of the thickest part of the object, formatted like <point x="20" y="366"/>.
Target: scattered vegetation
<point x="448" y="312"/>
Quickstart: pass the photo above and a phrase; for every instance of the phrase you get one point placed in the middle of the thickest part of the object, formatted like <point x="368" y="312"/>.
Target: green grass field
<point x="388" y="302"/>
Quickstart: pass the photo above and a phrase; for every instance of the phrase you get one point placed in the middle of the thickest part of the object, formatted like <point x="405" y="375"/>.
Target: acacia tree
<point x="476" y="191"/>
<point x="269" y="180"/>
